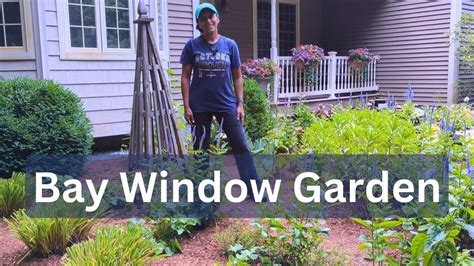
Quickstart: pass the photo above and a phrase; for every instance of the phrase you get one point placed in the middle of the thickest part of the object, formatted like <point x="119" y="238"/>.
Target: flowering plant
<point x="307" y="55"/>
<point x="359" y="58"/>
<point x="260" y="68"/>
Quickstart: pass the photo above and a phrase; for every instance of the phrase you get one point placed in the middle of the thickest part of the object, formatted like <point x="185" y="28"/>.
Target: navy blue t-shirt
<point x="211" y="86"/>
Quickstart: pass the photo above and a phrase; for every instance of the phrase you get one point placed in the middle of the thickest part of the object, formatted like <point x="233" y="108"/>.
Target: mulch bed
<point x="201" y="249"/>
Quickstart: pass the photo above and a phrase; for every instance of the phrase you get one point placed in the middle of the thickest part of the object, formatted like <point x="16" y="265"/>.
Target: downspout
<point x="453" y="61"/>
<point x="41" y="53"/>
<point x="274" y="49"/>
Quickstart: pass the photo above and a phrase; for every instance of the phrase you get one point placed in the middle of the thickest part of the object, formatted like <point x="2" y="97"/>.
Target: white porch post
<point x="332" y="74"/>
<point x="274" y="49"/>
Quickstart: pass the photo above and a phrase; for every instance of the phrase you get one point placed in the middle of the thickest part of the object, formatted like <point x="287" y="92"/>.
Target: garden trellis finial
<point x="154" y="129"/>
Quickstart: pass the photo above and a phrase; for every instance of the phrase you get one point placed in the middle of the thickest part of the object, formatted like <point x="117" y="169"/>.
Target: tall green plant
<point x="132" y="245"/>
<point x="258" y="118"/>
<point x="12" y="194"/>
<point x="46" y="236"/>
<point x="464" y="35"/>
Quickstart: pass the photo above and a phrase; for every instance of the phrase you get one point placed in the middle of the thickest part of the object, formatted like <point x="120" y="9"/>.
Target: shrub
<point x="40" y="117"/>
<point x="12" y="194"/>
<point x="46" y="236"/>
<point x="132" y="245"/>
<point x="258" y="118"/>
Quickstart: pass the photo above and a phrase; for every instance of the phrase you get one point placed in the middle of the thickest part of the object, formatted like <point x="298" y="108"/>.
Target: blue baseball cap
<point x="203" y="6"/>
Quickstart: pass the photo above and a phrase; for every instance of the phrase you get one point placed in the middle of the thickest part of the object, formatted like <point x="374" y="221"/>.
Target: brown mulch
<point x="201" y="249"/>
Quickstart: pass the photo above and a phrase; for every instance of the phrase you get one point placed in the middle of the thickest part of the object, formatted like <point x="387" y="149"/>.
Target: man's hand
<point x="240" y="113"/>
<point x="188" y="115"/>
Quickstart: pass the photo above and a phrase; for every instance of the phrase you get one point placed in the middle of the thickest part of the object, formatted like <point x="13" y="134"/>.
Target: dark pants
<point x="236" y="137"/>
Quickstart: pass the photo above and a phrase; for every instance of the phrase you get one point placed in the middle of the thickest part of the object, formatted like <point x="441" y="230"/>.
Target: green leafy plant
<point x="380" y="239"/>
<point x="362" y="132"/>
<point x="304" y="117"/>
<point x="237" y="233"/>
<point x="167" y="231"/>
<point x="258" y="119"/>
<point x="12" y="194"/>
<point x="283" y="138"/>
<point x="132" y="245"/>
<point x="464" y="35"/>
<point x="40" y="117"/>
<point x="239" y="255"/>
<point x="46" y="236"/>
<point x="290" y="240"/>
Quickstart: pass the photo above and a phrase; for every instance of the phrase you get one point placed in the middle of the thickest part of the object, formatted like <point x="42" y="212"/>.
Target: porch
<point x="333" y="79"/>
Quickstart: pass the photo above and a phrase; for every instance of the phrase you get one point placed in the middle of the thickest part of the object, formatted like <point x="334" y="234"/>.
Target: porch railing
<point x="330" y="79"/>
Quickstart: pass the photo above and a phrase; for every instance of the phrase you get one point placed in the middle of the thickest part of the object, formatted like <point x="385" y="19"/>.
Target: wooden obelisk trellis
<point x="154" y="129"/>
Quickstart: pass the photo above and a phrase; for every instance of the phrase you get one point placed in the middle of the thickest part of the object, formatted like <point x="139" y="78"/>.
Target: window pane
<point x="112" y="39"/>
<point x="287" y="28"/>
<point x="123" y="3"/>
<point x="90" y="37"/>
<point x="12" y="12"/>
<point x="123" y="19"/>
<point x="76" y="37"/>
<point x="110" y="3"/>
<point x="88" y="2"/>
<point x="263" y="29"/>
<point x="74" y="1"/>
<point x="111" y="18"/>
<point x="124" y="36"/>
<point x="14" y="37"/>
<point x="74" y="15"/>
<point x="1" y="18"/>
<point x="2" y="38"/>
<point x="88" y="13"/>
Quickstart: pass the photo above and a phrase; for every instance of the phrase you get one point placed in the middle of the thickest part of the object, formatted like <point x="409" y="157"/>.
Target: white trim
<point x="453" y="62"/>
<point x="101" y="52"/>
<point x="255" y="30"/>
<point x="196" y="33"/>
<point x="27" y="51"/>
<point x="103" y="30"/>
<point x="42" y="67"/>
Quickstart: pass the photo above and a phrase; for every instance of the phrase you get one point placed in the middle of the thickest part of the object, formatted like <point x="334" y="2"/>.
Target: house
<point x="89" y="46"/>
<point x="409" y="36"/>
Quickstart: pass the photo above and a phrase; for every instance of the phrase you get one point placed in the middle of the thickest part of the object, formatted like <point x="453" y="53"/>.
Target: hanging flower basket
<point x="299" y="65"/>
<point x="315" y="64"/>
<point x="260" y="68"/>
<point x="356" y="65"/>
<point x="359" y="58"/>
<point x="307" y="56"/>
